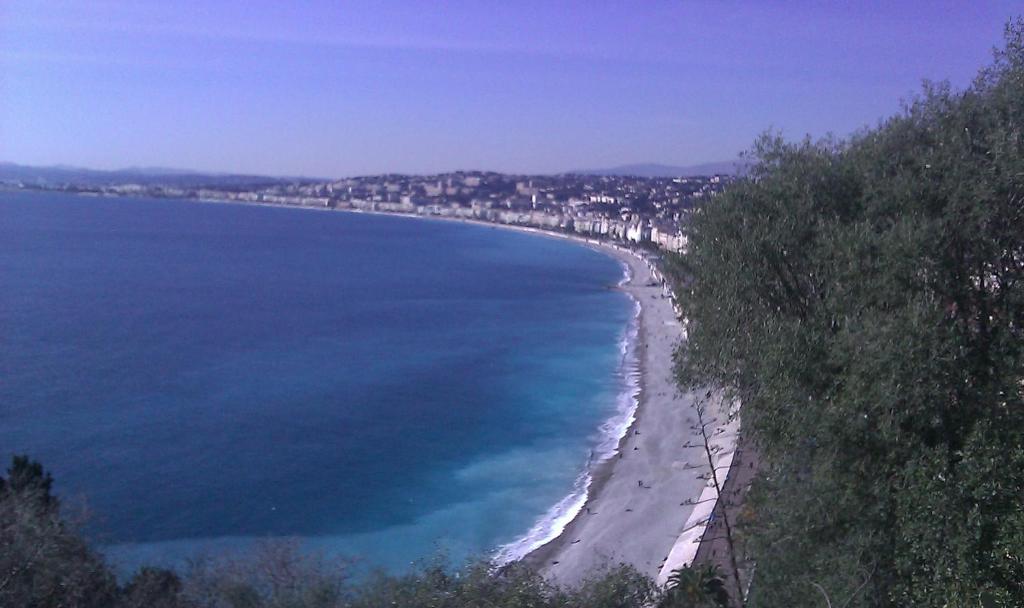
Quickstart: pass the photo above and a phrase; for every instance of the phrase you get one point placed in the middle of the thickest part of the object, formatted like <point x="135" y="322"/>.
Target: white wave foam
<point x="627" y="274"/>
<point x="610" y="434"/>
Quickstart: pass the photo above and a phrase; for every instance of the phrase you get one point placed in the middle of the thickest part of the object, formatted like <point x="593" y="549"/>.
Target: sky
<point x="335" y="88"/>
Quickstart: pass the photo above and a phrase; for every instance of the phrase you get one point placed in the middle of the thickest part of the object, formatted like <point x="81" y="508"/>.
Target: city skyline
<point x="409" y="88"/>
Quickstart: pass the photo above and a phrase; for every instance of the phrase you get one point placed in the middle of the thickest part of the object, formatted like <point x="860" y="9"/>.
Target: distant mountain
<point x="147" y="176"/>
<point x="158" y="171"/>
<point x="735" y="167"/>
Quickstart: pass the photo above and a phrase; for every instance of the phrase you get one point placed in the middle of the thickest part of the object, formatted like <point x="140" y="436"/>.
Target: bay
<point x="202" y="375"/>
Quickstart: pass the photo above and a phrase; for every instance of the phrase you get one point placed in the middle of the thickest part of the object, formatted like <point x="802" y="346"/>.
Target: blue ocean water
<point x="387" y="388"/>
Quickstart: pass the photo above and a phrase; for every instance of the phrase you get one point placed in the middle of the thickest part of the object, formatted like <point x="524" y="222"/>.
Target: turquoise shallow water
<point x="203" y="375"/>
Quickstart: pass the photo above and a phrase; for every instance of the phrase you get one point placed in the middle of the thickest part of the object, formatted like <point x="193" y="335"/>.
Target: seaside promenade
<point x="641" y="502"/>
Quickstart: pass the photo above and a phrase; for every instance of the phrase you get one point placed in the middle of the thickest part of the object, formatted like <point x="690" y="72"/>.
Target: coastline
<point x="642" y="504"/>
<point x="552" y="524"/>
<point x="652" y="489"/>
<point x="638" y="502"/>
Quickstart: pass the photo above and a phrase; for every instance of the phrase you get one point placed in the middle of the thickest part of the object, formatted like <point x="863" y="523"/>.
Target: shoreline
<point x="637" y="505"/>
<point x="613" y="429"/>
<point x="661" y="521"/>
<point x="640" y="508"/>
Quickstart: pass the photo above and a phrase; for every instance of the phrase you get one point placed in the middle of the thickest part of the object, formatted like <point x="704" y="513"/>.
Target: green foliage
<point x="696" y="587"/>
<point x="153" y="588"/>
<point x="618" y="587"/>
<point x="271" y="574"/>
<point x="865" y="300"/>
<point x="43" y="561"/>
<point x="26" y="477"/>
<point x="511" y="586"/>
<point x="437" y="586"/>
<point x="674" y="267"/>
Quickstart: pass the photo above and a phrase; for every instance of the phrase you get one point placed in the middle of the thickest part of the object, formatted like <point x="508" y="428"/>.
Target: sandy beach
<point x="641" y="499"/>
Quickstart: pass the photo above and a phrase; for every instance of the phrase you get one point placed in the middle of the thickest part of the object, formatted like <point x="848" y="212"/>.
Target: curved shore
<point x="641" y="500"/>
<point x="646" y="505"/>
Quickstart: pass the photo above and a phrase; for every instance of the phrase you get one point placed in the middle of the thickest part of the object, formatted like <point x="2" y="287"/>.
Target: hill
<point x="62" y="174"/>
<point x="735" y="167"/>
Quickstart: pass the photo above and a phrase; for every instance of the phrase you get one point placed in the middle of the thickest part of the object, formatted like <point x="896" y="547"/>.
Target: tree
<point x="701" y="587"/>
<point x="25" y="477"/>
<point x="275" y="573"/>
<point x="704" y="421"/>
<point x="43" y="561"/>
<point x="153" y="588"/>
<point x="865" y="301"/>
<point x="621" y="586"/>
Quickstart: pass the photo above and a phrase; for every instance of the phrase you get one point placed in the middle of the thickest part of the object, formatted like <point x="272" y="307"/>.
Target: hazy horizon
<point x="156" y="171"/>
<point x="328" y="91"/>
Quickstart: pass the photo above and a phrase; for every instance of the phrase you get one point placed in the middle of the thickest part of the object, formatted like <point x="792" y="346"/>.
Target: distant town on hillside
<point x="650" y="211"/>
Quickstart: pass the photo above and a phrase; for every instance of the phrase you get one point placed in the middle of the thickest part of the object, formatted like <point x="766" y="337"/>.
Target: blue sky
<point x="343" y="88"/>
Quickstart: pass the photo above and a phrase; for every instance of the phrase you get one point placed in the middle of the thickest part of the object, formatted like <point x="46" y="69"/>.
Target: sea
<point x="201" y="376"/>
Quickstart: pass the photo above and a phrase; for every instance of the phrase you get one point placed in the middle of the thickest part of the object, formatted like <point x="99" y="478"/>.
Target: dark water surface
<point x="204" y="374"/>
